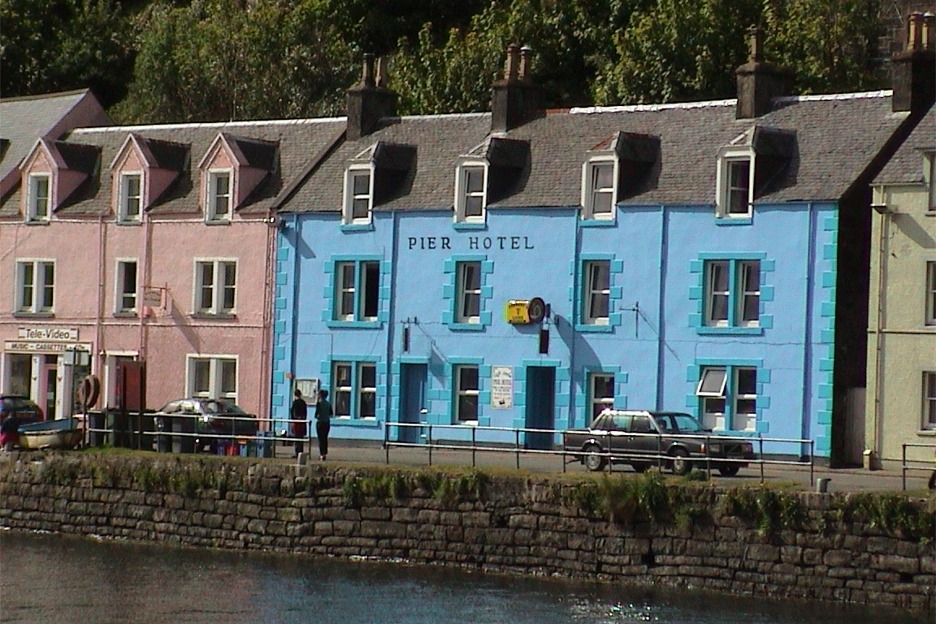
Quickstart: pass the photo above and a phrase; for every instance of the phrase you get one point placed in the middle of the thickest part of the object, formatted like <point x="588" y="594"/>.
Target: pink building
<point x="149" y="245"/>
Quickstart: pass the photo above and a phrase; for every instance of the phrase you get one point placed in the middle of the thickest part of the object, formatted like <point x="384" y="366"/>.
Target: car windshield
<point x="678" y="423"/>
<point x="220" y="406"/>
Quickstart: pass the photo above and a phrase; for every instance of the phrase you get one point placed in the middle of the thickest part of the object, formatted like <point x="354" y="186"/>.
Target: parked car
<point x="212" y="420"/>
<point x="644" y="438"/>
<point x="26" y="410"/>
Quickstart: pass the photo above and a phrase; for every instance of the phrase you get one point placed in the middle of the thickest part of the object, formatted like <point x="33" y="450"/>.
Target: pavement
<point x="892" y="478"/>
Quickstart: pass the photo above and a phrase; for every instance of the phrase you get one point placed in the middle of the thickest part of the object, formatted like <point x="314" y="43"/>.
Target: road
<point x="839" y="479"/>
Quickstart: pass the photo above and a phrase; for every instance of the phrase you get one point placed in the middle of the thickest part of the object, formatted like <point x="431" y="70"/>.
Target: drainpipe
<point x="98" y="356"/>
<point x="873" y="453"/>
<point x="391" y="327"/>
<point x="576" y="302"/>
<point x="265" y="390"/>
<point x="661" y="306"/>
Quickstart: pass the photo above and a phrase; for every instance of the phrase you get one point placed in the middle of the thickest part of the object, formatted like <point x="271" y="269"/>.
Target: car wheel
<point x="680" y="465"/>
<point x="728" y="470"/>
<point x="641" y="466"/>
<point x="592" y="460"/>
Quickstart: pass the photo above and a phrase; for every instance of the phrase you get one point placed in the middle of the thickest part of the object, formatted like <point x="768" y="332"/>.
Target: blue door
<point x="540" y="406"/>
<point x="412" y="401"/>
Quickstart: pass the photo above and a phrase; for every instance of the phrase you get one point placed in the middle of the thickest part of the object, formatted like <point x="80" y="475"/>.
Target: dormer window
<point x="39" y="199"/>
<point x="359" y="193"/>
<point x="736" y="193"/>
<point x="131" y="196"/>
<point x="470" y="193"/>
<point x="752" y="165"/>
<point x="599" y="189"/>
<point x="219" y="197"/>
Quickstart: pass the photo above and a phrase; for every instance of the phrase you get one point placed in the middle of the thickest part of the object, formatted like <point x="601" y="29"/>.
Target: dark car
<point x="644" y="438"/>
<point x="25" y="410"/>
<point x="206" y="421"/>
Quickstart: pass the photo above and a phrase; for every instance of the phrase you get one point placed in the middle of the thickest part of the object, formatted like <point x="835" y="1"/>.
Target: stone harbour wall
<point x="750" y="541"/>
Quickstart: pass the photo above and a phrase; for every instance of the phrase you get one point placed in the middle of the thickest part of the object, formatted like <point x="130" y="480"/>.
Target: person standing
<point x="323" y="413"/>
<point x="298" y="426"/>
<point x="9" y="433"/>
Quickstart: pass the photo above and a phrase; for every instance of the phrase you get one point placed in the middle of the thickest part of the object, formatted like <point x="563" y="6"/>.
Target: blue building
<point x="527" y="268"/>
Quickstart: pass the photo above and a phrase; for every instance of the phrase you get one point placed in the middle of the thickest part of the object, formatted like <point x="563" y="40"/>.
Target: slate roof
<point x="24" y="120"/>
<point x="836" y="138"/>
<point x="295" y="142"/>
<point x="906" y="166"/>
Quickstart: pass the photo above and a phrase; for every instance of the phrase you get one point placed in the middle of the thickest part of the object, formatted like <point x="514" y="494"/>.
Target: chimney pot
<point x="513" y="60"/>
<point x="526" y="61"/>
<point x="367" y="78"/>
<point x="381" y="72"/>
<point x="927" y="34"/>
<point x="756" y="44"/>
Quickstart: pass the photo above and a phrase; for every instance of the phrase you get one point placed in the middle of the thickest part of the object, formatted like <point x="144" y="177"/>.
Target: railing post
<point x="903" y="466"/>
<point x="473" y="444"/>
<point x="386" y="442"/>
<point x="812" y="461"/>
<point x="517" y="447"/>
<point x="429" y="441"/>
<point x="760" y="454"/>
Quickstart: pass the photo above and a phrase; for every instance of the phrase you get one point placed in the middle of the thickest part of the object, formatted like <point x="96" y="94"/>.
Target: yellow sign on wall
<point x="517" y="311"/>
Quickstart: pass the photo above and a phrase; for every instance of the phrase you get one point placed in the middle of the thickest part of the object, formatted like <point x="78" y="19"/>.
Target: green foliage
<point x="894" y="515"/>
<point x="215" y="61"/>
<point x="61" y="45"/>
<point x="768" y="509"/>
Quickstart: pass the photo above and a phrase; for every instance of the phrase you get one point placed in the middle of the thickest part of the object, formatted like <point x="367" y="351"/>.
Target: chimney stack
<point x="759" y="82"/>
<point x="515" y="99"/>
<point x="369" y="101"/>
<point x="915" y="68"/>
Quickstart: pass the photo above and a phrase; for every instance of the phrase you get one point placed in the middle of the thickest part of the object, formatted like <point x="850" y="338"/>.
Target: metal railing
<point x="916" y="463"/>
<point x="470" y="443"/>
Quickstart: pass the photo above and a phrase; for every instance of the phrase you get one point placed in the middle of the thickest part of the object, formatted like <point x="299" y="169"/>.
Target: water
<point x="53" y="579"/>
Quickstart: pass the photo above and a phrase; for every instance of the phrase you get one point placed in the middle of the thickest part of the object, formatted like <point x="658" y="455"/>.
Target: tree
<point x="60" y="45"/>
<point x="213" y="61"/>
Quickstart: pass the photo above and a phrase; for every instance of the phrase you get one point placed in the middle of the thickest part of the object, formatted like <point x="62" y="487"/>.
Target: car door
<point x="618" y="433"/>
<point x="643" y="439"/>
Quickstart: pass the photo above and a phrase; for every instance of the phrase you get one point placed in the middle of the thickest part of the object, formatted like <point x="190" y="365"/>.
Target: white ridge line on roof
<point x="212" y="124"/>
<point x="791" y="99"/>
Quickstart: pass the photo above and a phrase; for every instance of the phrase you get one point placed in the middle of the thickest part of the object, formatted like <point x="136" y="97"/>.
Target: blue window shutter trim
<point x="617" y="292"/>
<point x="692" y="373"/>
<point x="487" y="267"/>
<point x="614" y="319"/>
<point x="695" y="320"/>
<point x="763" y="402"/>
<point x="830" y="224"/>
<point x="562" y="400"/>
<point x="279" y="353"/>
<point x="826" y="365"/>
<point x="827" y="335"/>
<point x="448" y="291"/>
<point x="279" y="328"/>
<point x="762" y="427"/>
<point x="767" y="293"/>
<point x="828" y="279"/>
<point x="768" y="266"/>
<point x="281" y="279"/>
<point x="695" y="266"/>
<point x="485" y="318"/>
<point x="280" y="303"/>
<point x="448" y="266"/>
<point x="617" y="266"/>
<point x="563" y="374"/>
<point x="766" y="321"/>
<point x="695" y="293"/>
<point x="829" y="251"/>
<point x="487" y="292"/>
<point x="828" y="308"/>
<point x="825" y="391"/>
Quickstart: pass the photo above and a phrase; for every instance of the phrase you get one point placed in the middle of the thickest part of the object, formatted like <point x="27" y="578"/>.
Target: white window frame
<point x="209" y="299"/>
<point x="589" y="293"/>
<point x="126" y="199"/>
<point x="38" y="207"/>
<point x="743" y="421"/>
<point x="725" y="189"/>
<point x="37" y="296"/>
<point x="464" y="294"/>
<point x="463" y="194"/>
<point x="462" y="391"/>
<point x="125" y="302"/>
<point x="712" y="417"/>
<point x="596" y="402"/>
<point x="366" y="390"/>
<point x="930" y="318"/>
<point x="212" y="213"/>
<point x="928" y="411"/>
<point x="351" y="173"/>
<point x="216" y="376"/>
<point x="340" y="389"/>
<point x="736" y="295"/>
<point x="590" y="188"/>
<point x="351" y="299"/>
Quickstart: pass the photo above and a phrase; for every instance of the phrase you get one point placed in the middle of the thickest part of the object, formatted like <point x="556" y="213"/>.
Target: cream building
<point x="901" y="390"/>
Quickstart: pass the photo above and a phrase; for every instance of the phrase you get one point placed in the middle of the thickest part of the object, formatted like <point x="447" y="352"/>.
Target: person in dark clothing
<point x="9" y="432"/>
<point x="323" y="413"/>
<point x="298" y="426"/>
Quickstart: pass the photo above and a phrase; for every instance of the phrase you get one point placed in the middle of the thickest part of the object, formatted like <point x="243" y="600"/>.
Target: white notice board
<point x="501" y="387"/>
